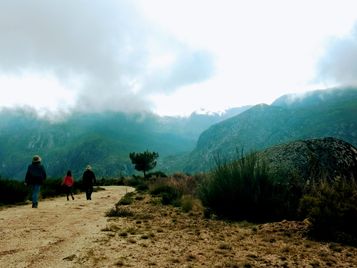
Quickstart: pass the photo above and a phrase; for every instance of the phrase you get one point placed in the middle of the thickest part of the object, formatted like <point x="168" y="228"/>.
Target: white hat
<point x="36" y="159"/>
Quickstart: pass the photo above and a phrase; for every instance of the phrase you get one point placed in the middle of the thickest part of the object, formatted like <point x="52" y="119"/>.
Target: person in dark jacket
<point x="88" y="180"/>
<point x="35" y="176"/>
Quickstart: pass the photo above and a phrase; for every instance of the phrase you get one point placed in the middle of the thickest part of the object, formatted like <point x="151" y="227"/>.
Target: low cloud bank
<point x="116" y="58"/>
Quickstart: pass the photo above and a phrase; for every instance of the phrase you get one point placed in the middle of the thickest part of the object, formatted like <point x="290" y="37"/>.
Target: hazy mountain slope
<point x="103" y="140"/>
<point x="196" y="123"/>
<point x="263" y="126"/>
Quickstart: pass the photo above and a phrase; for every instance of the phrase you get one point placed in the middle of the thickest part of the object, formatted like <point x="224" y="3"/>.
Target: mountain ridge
<point x="103" y="140"/>
<point x="265" y="125"/>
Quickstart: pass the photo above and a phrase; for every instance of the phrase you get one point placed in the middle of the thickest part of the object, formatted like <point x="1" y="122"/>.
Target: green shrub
<point x="169" y="194"/>
<point x="187" y="202"/>
<point x="186" y="184"/>
<point x="119" y="212"/>
<point x="176" y="189"/>
<point x="142" y="187"/>
<point x="331" y="207"/>
<point x="127" y="199"/>
<point x="138" y="182"/>
<point x="134" y="181"/>
<point x="52" y="188"/>
<point x="111" y="181"/>
<point x="156" y="174"/>
<point x="169" y="198"/>
<point x="244" y="190"/>
<point x="12" y="192"/>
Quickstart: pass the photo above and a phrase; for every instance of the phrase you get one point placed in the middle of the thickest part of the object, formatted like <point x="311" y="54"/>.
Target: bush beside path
<point x="146" y="233"/>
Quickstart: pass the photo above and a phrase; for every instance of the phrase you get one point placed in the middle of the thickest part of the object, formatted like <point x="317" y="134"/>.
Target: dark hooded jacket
<point x="88" y="178"/>
<point x="36" y="174"/>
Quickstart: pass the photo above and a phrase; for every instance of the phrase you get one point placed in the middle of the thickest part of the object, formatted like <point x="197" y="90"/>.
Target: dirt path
<point x="56" y="232"/>
<point x="146" y="233"/>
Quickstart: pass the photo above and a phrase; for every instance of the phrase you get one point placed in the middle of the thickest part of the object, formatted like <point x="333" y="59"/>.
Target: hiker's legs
<point x="89" y="191"/>
<point x="35" y="192"/>
<point x="70" y="191"/>
<point x="67" y="191"/>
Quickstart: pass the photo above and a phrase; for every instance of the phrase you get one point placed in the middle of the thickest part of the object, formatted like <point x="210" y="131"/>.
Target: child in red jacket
<point x="68" y="183"/>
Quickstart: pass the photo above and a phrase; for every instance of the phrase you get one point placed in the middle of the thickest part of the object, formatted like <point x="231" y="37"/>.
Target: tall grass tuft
<point x="127" y="199"/>
<point x="243" y="190"/>
<point x="178" y="190"/>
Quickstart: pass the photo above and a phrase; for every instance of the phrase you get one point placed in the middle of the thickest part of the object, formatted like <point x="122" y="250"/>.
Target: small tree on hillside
<point x="144" y="161"/>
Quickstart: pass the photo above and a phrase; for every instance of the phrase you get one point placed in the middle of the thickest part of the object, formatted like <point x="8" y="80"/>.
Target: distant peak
<point x="315" y="97"/>
<point x="260" y="106"/>
<point x="203" y="111"/>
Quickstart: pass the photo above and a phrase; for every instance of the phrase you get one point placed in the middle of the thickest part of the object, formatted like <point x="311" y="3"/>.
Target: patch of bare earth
<point x="148" y="234"/>
<point x="56" y="233"/>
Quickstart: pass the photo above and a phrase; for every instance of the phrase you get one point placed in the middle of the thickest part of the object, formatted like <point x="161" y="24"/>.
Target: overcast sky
<point x="171" y="57"/>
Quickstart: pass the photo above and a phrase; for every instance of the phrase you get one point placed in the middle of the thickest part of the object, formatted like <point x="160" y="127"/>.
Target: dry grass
<point x="165" y="236"/>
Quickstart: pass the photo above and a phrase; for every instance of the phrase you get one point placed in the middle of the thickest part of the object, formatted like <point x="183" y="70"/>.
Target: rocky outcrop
<point x="313" y="159"/>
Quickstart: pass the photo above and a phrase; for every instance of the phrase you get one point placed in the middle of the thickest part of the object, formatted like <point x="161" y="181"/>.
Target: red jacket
<point x="68" y="181"/>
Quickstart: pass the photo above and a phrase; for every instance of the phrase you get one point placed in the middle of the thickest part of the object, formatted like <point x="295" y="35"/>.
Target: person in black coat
<point x="88" y="180"/>
<point x="35" y="176"/>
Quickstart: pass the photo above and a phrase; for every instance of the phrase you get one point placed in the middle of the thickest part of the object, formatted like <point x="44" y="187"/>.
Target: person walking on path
<point x="89" y="180"/>
<point x="35" y="176"/>
<point x="68" y="182"/>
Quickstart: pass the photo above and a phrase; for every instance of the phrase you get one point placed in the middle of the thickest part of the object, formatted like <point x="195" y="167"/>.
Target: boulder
<point x="312" y="159"/>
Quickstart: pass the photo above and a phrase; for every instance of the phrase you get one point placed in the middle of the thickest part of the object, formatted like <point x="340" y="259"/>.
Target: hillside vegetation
<point x="328" y="113"/>
<point x="102" y="140"/>
<point x="307" y="179"/>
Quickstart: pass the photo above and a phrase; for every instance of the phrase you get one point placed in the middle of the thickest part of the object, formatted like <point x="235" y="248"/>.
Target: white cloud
<point x="106" y="46"/>
<point x="338" y="66"/>
<point x="172" y="56"/>
<point x="41" y="91"/>
<point x="262" y="49"/>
